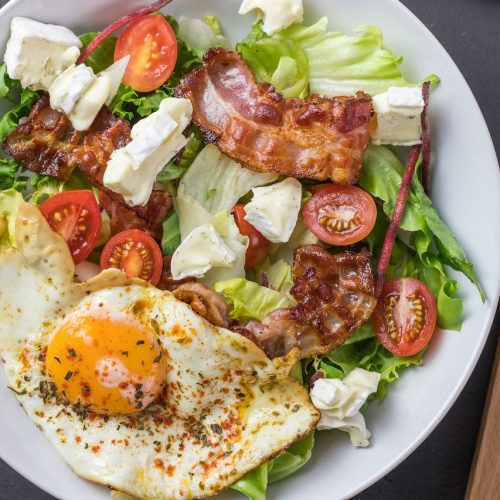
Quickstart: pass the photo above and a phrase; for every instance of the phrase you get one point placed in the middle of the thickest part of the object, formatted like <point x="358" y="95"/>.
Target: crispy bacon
<point x="205" y="302"/>
<point x="317" y="138"/>
<point x="335" y="295"/>
<point x="47" y="144"/>
<point x="148" y="218"/>
<point x="167" y="281"/>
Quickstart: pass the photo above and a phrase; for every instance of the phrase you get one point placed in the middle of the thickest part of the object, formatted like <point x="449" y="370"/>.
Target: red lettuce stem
<point x="397" y="215"/>
<point x="118" y="24"/>
<point x="426" y="141"/>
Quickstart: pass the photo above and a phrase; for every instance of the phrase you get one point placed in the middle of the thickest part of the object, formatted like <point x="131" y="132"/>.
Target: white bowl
<point x="466" y="193"/>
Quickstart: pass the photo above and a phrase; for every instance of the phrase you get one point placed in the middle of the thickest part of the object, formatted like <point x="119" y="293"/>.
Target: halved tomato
<point x="136" y="253"/>
<point x="340" y="215"/>
<point x="258" y="245"/>
<point x="405" y="316"/>
<point x="76" y="216"/>
<point x="152" y="46"/>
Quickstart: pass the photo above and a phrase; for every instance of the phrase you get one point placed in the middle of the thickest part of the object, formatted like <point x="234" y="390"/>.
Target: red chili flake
<point x="426" y="141"/>
<point x="78" y="439"/>
<point x="95" y="449"/>
<point x="170" y="470"/>
<point x="158" y="462"/>
<point x="392" y="230"/>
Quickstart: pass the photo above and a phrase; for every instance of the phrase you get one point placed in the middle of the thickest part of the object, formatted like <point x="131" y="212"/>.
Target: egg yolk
<point x="110" y="367"/>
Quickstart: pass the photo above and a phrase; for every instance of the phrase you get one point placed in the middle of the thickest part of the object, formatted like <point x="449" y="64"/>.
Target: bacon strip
<point x="335" y="295"/>
<point x="205" y="302"/>
<point x="47" y="144"/>
<point x="316" y="138"/>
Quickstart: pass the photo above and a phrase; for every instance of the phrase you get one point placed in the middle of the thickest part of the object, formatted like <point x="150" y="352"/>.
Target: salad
<point x="280" y="187"/>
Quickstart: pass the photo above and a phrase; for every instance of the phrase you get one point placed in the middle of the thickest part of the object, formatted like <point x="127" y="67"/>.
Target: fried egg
<point x="132" y="388"/>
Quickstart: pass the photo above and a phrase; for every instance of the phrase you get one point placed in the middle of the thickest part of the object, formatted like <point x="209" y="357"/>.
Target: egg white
<point x="228" y="408"/>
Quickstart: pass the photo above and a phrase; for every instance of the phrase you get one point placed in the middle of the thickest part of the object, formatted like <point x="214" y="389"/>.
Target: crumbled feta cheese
<point x="37" y="53"/>
<point x="156" y="139"/>
<point x="397" y="116"/>
<point x="201" y="250"/>
<point x="339" y="402"/>
<point x="277" y="14"/>
<point x="274" y="209"/>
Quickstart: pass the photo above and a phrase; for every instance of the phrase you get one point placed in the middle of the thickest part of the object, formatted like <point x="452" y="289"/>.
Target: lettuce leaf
<point x="254" y="484"/>
<point x="344" y="64"/>
<point x="306" y="58"/>
<point x="175" y="169"/>
<point x="363" y="350"/>
<point x="431" y="243"/>
<point x="171" y="238"/>
<point x="22" y="101"/>
<point x="216" y="182"/>
<point x="11" y="175"/>
<point x="248" y="300"/>
<point x="277" y="60"/>
<point x="103" y="55"/>
<point x="10" y="201"/>
<point x="200" y="35"/>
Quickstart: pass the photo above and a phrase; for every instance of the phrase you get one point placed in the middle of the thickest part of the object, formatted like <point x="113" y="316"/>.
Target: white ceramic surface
<point x="466" y="186"/>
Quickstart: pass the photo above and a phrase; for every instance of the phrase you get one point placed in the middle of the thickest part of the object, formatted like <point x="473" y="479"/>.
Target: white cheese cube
<point x="277" y="14"/>
<point x="340" y="401"/>
<point x="132" y="170"/>
<point x="80" y="94"/>
<point x="274" y="209"/>
<point x="91" y="102"/>
<point x="201" y="250"/>
<point x="37" y="53"/>
<point x="398" y="123"/>
<point x="69" y="86"/>
<point x="405" y="97"/>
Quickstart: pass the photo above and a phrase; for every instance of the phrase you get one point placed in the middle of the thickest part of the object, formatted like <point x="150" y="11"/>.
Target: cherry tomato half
<point x="405" y="316"/>
<point x="76" y="216"/>
<point x="152" y="46"/>
<point x="258" y="245"/>
<point x="340" y="215"/>
<point x="135" y="253"/>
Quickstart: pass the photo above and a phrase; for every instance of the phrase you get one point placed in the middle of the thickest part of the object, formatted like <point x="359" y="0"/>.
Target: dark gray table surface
<point x="439" y="468"/>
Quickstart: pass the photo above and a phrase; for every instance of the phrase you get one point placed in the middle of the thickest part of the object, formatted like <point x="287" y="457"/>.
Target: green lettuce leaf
<point x="171" y="238"/>
<point x="254" y="484"/>
<point x="10" y="201"/>
<point x="364" y="351"/>
<point x="175" y="169"/>
<point x="278" y="274"/>
<point x="302" y="58"/>
<point x="216" y="182"/>
<point x="200" y="35"/>
<point x="431" y="243"/>
<point x="291" y="460"/>
<point x="278" y="60"/>
<point x="11" y="175"/>
<point x="103" y="55"/>
<point x="22" y="101"/>
<point x="248" y="300"/>
<point x="344" y="64"/>
<point x="44" y="186"/>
